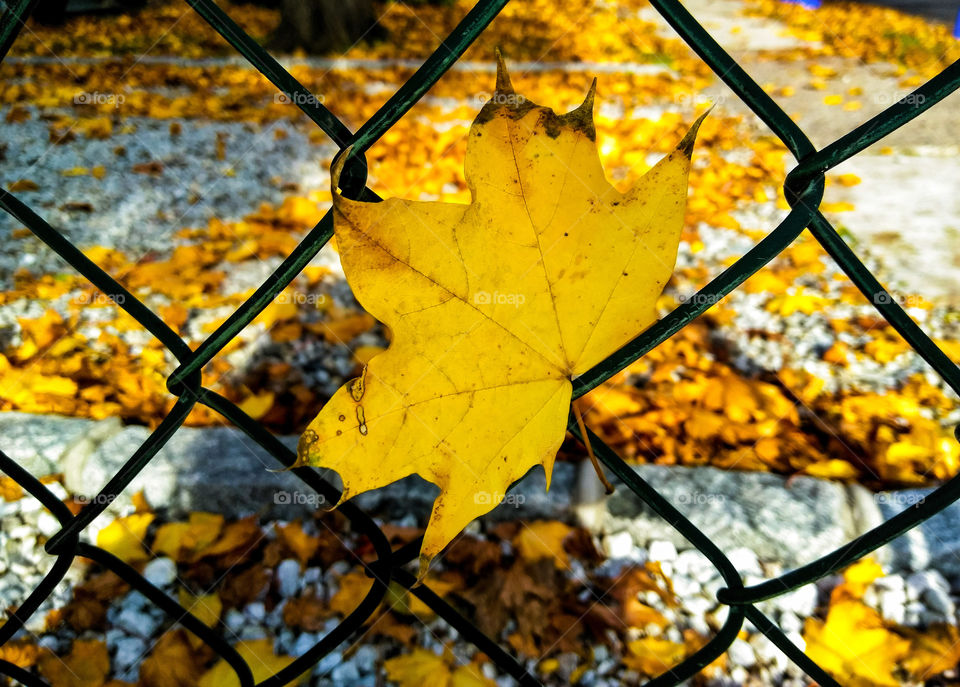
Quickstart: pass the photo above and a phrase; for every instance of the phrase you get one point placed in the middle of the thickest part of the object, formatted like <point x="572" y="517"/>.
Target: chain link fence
<point x="803" y="188"/>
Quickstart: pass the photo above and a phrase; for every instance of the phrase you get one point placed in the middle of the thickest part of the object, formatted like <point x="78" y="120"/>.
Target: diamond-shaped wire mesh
<point x="804" y="190"/>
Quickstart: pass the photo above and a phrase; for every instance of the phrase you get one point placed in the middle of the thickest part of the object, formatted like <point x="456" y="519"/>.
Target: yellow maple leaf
<point x="494" y="306"/>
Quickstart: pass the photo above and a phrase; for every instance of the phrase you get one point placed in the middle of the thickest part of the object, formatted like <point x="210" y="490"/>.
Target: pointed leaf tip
<point x="587" y="103"/>
<point x="686" y="145"/>
<point x="503" y="78"/>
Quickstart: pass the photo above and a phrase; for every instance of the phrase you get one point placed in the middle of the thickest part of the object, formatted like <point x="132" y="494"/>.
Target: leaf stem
<point x="586" y="443"/>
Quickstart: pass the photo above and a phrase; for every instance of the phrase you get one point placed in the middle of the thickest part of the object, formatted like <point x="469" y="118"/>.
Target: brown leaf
<point x="88" y="608"/>
<point x="172" y="663"/>
<point x="153" y="168"/>
<point x="240" y="588"/>
<point x="306" y="612"/>
<point x="298" y="542"/>
<point x="86" y="665"/>
<point x="473" y="555"/>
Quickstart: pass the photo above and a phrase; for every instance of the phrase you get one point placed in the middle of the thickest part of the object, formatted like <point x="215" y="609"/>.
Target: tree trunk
<point x="326" y="26"/>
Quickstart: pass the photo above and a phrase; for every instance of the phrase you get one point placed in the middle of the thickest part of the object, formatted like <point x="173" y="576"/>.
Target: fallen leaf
<point x="124" y="537"/>
<point x="87" y="665"/>
<point x="933" y="650"/>
<point x="237" y="537"/>
<point x="171" y="663"/>
<point x="353" y="587"/>
<point x="180" y="540"/>
<point x="206" y="607"/>
<point x="153" y="168"/>
<point x="493" y="307"/>
<point x="257" y="405"/>
<point x="303" y="545"/>
<point x="855" y="646"/>
<point x="22" y="653"/>
<point x="423" y="668"/>
<point x="306" y="612"/>
<point x="23" y="185"/>
<point x="543" y="539"/>
<point x="258" y="654"/>
<point x="653" y="655"/>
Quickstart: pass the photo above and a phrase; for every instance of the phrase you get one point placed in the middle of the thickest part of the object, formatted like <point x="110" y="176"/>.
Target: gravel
<point x="140" y="213"/>
<point x="160" y="572"/>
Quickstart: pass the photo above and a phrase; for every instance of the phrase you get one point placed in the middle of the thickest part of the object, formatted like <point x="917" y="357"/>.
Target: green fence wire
<point x="803" y="188"/>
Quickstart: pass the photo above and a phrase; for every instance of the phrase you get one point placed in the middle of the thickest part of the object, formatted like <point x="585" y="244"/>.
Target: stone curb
<point x="221" y="470"/>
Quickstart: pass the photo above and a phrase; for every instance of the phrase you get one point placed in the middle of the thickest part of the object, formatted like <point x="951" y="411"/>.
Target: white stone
<point x="287" y="577"/>
<point x="137" y="622"/>
<point x="662" y="551"/>
<point x="891" y="600"/>
<point x="312" y="576"/>
<point x="801" y="601"/>
<point x="255" y="611"/>
<point x="797" y="639"/>
<point x="698" y="606"/>
<point x="745" y="561"/>
<point x="919" y="582"/>
<point x="764" y="649"/>
<point x="741" y="654"/>
<point x="51" y="642"/>
<point x="112" y="636"/>
<point x="303" y="643"/>
<point x="160" y="572"/>
<point x="693" y="564"/>
<point x="47" y="524"/>
<point x="366" y="659"/>
<point x="913" y="612"/>
<point x="684" y="587"/>
<point x="234" y="620"/>
<point x="618" y="545"/>
<point x="130" y="651"/>
<point x="790" y="623"/>
<point x="328" y="663"/>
